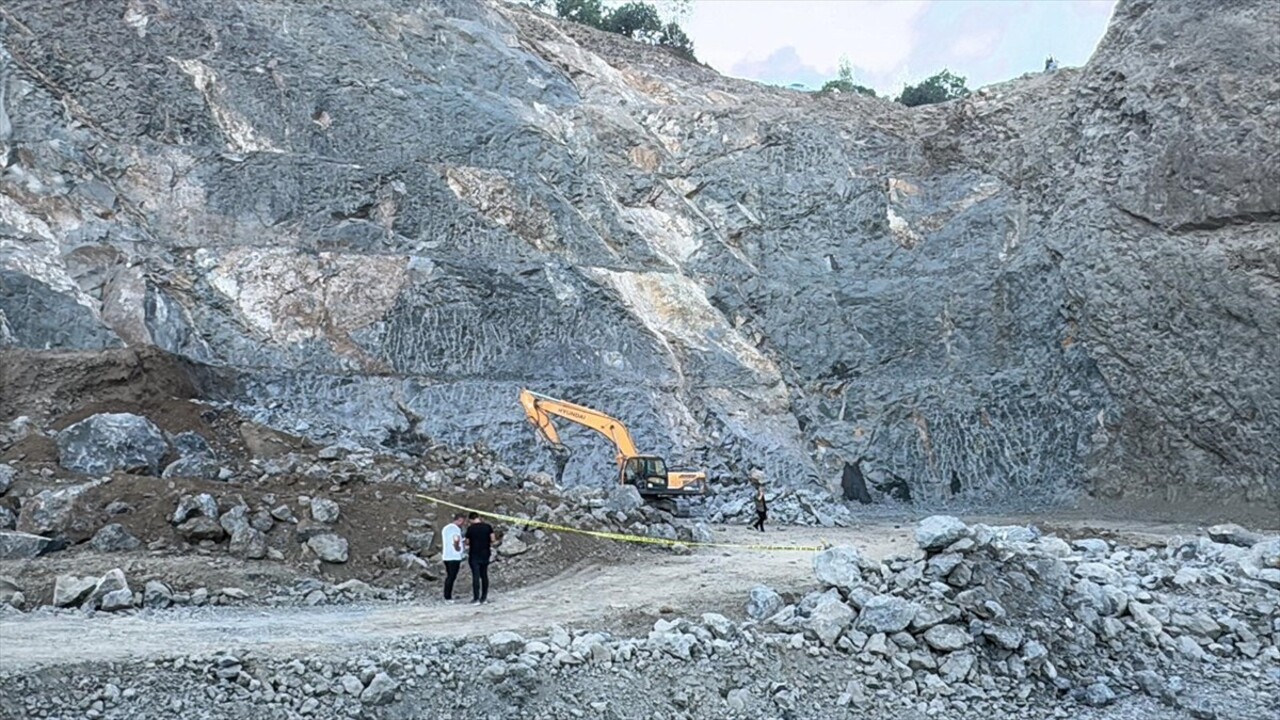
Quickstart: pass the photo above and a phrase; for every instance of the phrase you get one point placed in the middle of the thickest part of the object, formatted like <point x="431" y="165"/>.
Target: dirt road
<point x="583" y="596"/>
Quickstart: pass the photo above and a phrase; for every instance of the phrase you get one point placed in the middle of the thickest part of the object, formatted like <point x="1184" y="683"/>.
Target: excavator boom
<point x="540" y="408"/>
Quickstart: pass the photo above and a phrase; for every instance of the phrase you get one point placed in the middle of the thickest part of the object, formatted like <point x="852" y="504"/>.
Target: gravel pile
<point x="983" y="622"/>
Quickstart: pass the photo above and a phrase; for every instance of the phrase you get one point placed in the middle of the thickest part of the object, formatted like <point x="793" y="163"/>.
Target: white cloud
<point x="891" y="43"/>
<point x="876" y="36"/>
<point x="973" y="47"/>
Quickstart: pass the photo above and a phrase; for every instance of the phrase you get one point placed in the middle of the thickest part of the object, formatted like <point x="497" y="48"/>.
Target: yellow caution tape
<point x="624" y="537"/>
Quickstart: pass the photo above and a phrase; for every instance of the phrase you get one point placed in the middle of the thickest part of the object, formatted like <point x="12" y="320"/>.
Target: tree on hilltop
<point x="844" y="81"/>
<point x="939" y="88"/>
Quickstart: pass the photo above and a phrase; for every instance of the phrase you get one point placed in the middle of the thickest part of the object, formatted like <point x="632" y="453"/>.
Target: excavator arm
<point x="539" y="409"/>
<point x="647" y="473"/>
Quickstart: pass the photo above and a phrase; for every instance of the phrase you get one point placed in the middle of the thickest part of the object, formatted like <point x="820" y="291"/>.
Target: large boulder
<point x="249" y="543"/>
<point x="1264" y="555"/>
<point x="829" y="621"/>
<point x="121" y="599"/>
<point x="7" y="475"/>
<point x="114" y="538"/>
<point x="838" y="567"/>
<point x="50" y="511"/>
<point x="329" y="547"/>
<point x="102" y="443"/>
<point x="763" y="602"/>
<point x="938" y="531"/>
<point x="422" y="541"/>
<point x="22" y="546"/>
<point x="1008" y="638"/>
<point x="504" y="643"/>
<point x="624" y="499"/>
<point x="1232" y="534"/>
<point x="8" y="520"/>
<point x="262" y="520"/>
<point x="112" y="581"/>
<point x="156" y="594"/>
<point x="512" y="546"/>
<point x="886" y="614"/>
<point x="69" y="590"/>
<point x="235" y="520"/>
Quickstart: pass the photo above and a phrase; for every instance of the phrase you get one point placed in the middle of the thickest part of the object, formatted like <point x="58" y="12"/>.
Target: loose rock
<point x="102" y="443"/>
<point x="113" y="581"/>
<point x="201" y="528"/>
<point x="380" y="691"/>
<point x="886" y="614"/>
<point x="329" y="547"/>
<point x="838" y="567"/>
<point x="7" y="475"/>
<point x="324" y="510"/>
<point x="69" y="590"/>
<point x="938" y="531"/>
<point x="121" y="599"/>
<point x="947" y="638"/>
<point x="21" y="546"/>
<point x="114" y="538"/>
<point x="764" y="602"/>
<point x="248" y="542"/>
<point x="156" y="594"/>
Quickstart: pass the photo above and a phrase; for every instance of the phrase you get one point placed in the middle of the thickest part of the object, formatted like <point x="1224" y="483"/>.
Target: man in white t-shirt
<point x="451" y="552"/>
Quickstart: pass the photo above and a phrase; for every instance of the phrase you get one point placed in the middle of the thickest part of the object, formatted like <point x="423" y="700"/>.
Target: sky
<point x="892" y="42"/>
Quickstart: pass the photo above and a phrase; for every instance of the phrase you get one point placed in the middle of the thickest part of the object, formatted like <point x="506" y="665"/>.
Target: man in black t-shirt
<point x="479" y="539"/>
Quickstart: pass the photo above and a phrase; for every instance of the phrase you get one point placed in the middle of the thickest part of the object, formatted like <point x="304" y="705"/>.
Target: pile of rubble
<point x="788" y="505"/>
<point x="617" y="509"/>
<point x="199" y="521"/>
<point x="1006" y="611"/>
<point x="984" y="622"/>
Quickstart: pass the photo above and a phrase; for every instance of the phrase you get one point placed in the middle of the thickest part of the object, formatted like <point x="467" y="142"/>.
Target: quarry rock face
<point x="361" y="229"/>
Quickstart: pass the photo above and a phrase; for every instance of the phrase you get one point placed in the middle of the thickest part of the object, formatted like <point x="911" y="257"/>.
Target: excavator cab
<point x="646" y="472"/>
<point x="651" y="476"/>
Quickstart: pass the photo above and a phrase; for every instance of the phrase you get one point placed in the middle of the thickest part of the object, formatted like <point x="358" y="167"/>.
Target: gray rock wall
<point x="391" y="210"/>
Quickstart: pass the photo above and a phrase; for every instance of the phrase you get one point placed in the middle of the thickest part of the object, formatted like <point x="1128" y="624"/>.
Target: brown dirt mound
<point x="48" y="385"/>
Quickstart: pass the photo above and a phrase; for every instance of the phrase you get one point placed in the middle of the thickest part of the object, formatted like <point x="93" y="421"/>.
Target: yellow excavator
<point x="658" y="484"/>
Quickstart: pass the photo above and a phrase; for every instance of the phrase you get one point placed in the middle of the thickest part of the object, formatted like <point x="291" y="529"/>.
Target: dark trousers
<point x="479" y="578"/>
<point x="759" y="524"/>
<point x="450" y="574"/>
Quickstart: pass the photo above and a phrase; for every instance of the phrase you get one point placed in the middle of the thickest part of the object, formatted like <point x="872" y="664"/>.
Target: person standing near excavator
<point x="480" y="542"/>
<point x="762" y="508"/>
<point x="451" y="553"/>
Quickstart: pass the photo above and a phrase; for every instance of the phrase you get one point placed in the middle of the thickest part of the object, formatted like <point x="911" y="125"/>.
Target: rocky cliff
<point x="388" y="216"/>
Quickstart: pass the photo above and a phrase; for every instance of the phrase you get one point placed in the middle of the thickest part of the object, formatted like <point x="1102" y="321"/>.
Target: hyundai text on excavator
<point x="658" y="484"/>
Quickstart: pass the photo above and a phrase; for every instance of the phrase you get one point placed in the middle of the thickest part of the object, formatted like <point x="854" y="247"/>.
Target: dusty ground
<point x="592" y="592"/>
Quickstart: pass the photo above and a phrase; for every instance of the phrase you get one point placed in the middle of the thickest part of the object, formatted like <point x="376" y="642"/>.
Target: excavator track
<point x="677" y="506"/>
